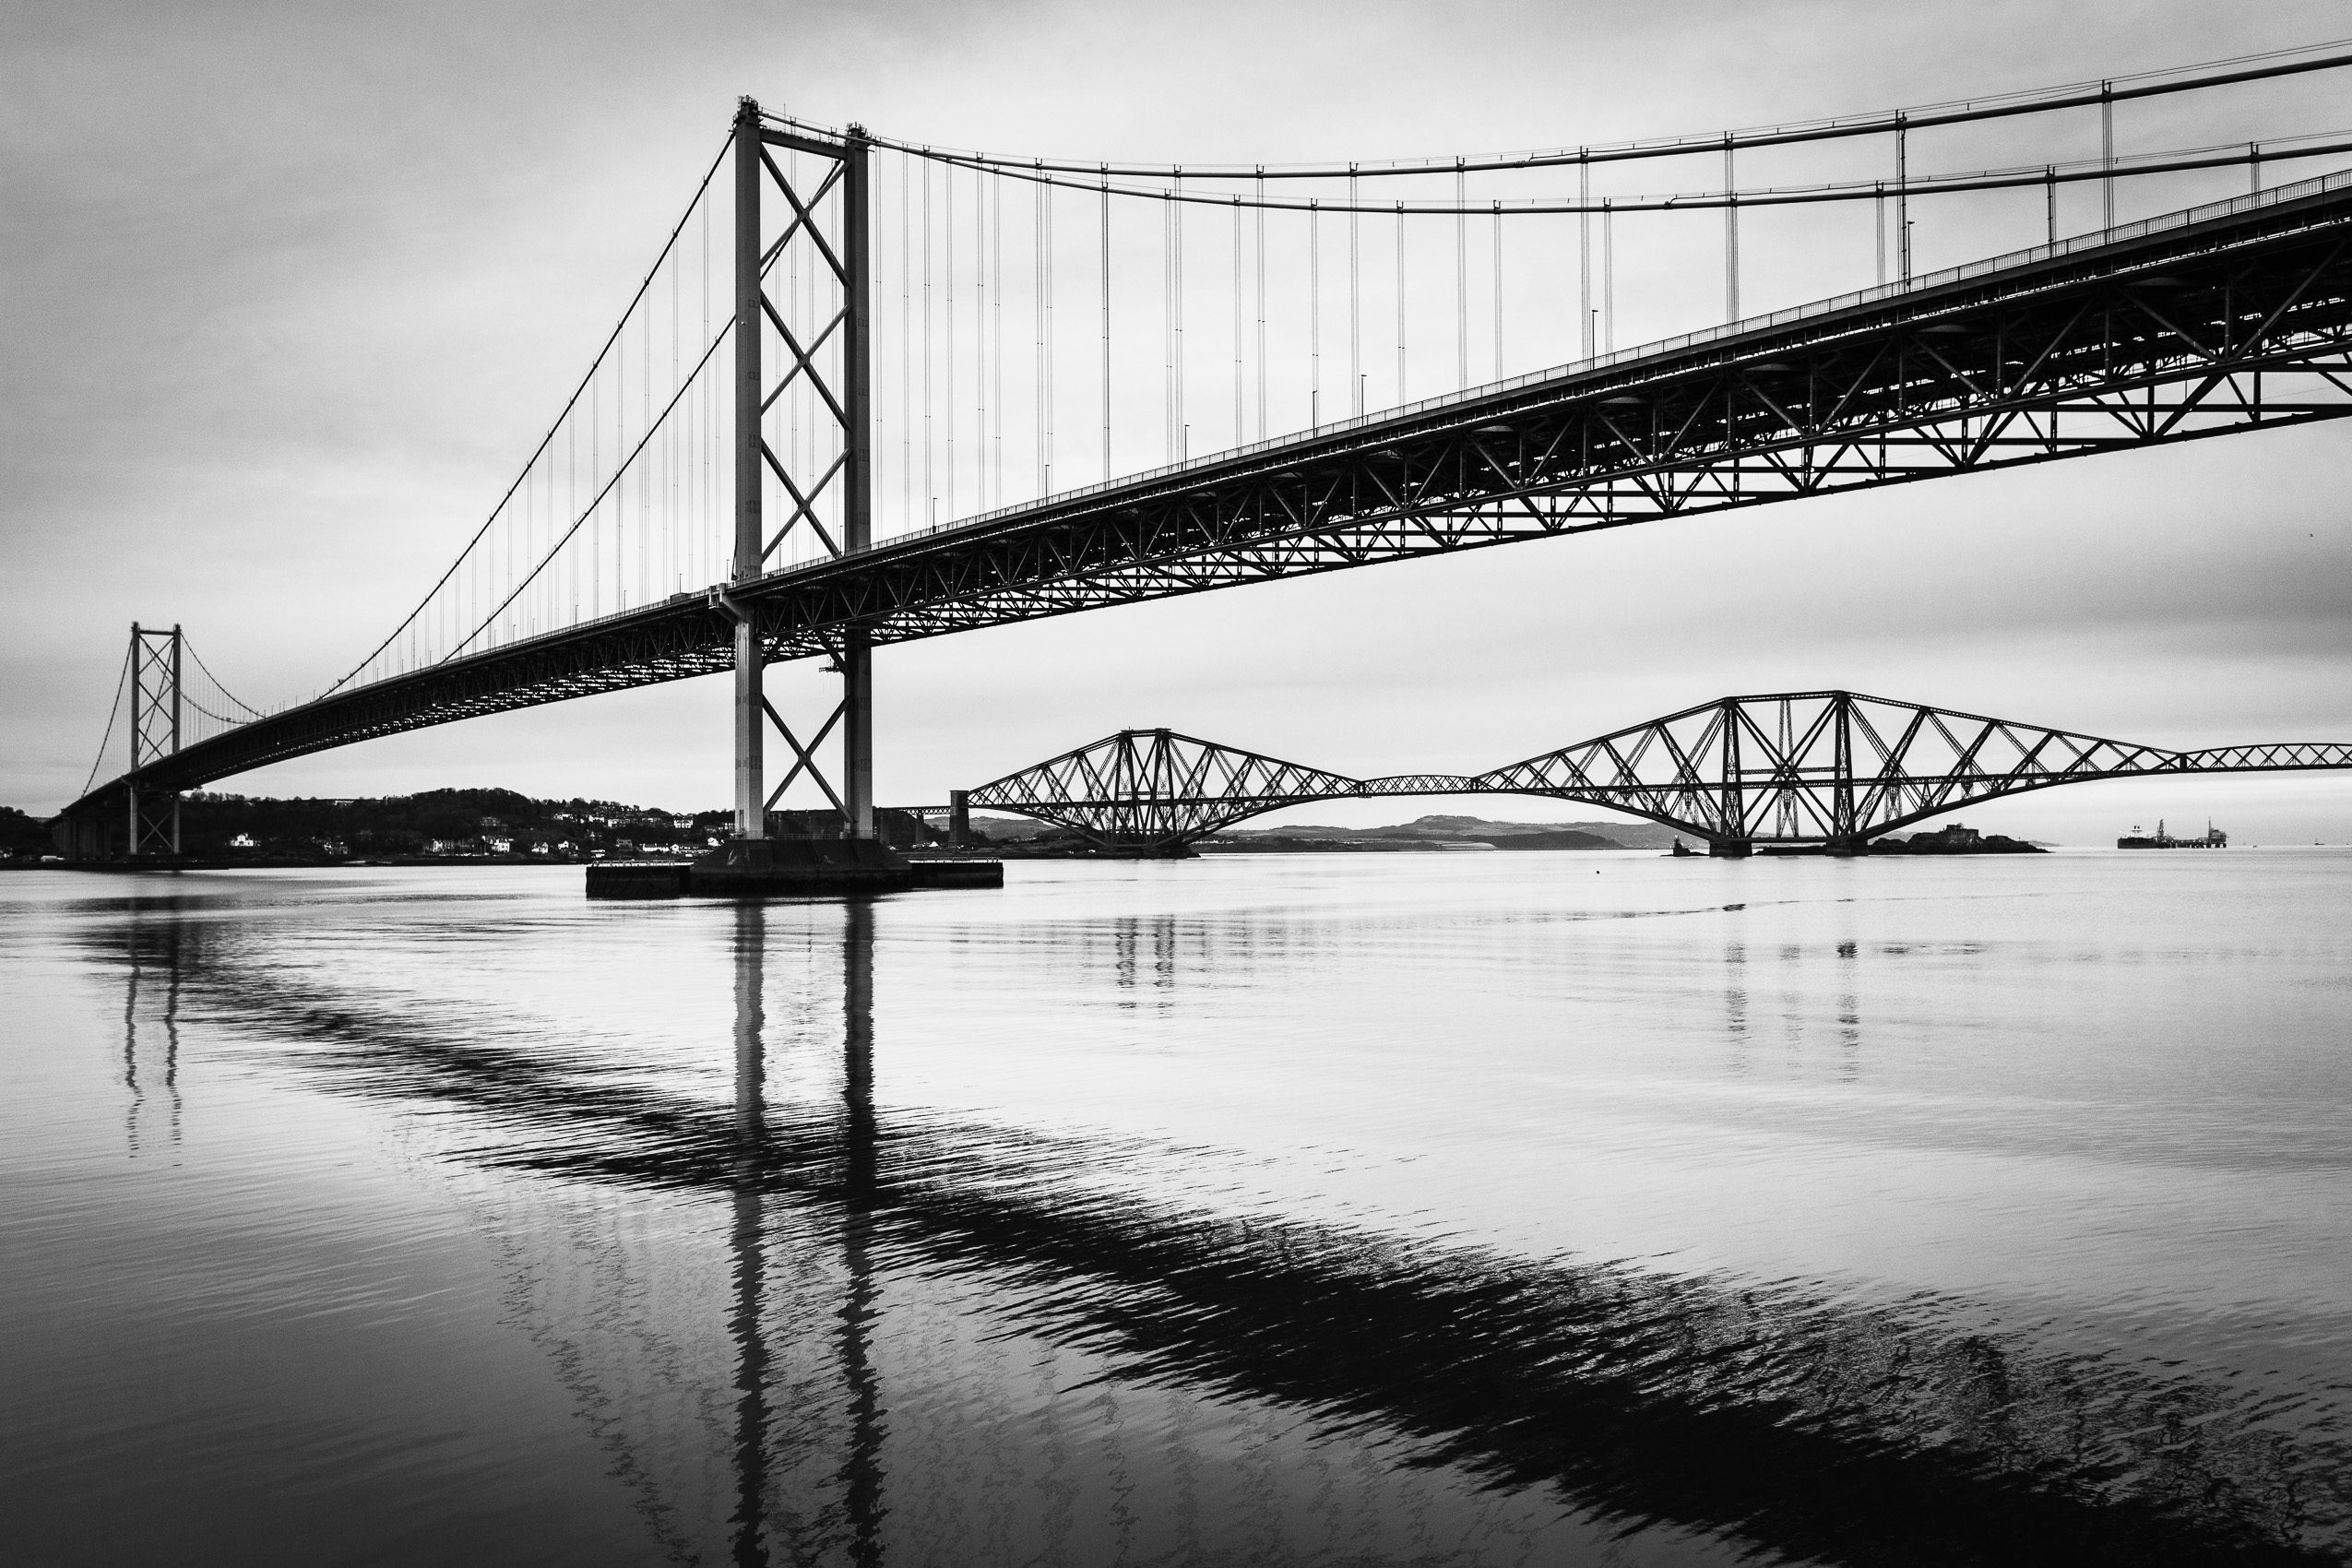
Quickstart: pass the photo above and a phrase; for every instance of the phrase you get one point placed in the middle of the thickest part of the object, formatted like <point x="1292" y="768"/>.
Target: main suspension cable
<point x="113" y="712"/>
<point x="2037" y="100"/>
<point x="702" y="189"/>
<point x="2170" y="162"/>
<point x="198" y="660"/>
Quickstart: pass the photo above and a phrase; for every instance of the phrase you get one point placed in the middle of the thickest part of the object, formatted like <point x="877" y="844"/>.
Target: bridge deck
<point x="2228" y="317"/>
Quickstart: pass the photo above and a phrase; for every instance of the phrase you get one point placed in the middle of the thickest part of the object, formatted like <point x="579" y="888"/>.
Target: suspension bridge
<point x="871" y="391"/>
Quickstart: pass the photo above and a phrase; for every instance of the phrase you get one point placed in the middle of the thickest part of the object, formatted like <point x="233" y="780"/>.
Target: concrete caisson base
<point x="789" y="868"/>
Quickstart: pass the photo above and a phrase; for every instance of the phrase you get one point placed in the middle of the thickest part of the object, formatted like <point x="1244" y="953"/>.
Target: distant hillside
<point x="451" y="824"/>
<point x="22" y="835"/>
<point x="1558" y="839"/>
<point x="1628" y="834"/>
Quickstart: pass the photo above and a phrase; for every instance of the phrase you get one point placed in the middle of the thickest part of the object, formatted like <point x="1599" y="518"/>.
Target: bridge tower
<point x="155" y="734"/>
<point x="1732" y="840"/>
<point x="843" y="380"/>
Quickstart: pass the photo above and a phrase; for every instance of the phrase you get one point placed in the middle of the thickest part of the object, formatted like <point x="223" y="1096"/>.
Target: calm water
<point x="1448" y="1209"/>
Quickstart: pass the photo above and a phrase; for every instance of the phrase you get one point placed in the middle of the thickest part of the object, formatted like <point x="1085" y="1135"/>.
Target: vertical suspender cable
<point x="1240" y="397"/>
<point x="571" y="505"/>
<point x="1176" y="215"/>
<point x="1039" y="194"/>
<point x="1902" y="198"/>
<point x="1106" y="322"/>
<point x="980" y="337"/>
<point x="931" y="487"/>
<point x="1607" y="277"/>
<point x="1355" y="305"/>
<point x="947" y="337"/>
<point x="647" y="561"/>
<point x="673" y="564"/>
<point x="996" y="496"/>
<point x="1585" y="254"/>
<point x="1461" y="277"/>
<point x="1168" y="325"/>
<point x="1046" y="400"/>
<point x="596" y="483"/>
<point x="2107" y="153"/>
<point x="906" y="352"/>
<point x="619" y="491"/>
<point x="1497" y="247"/>
<point x="1400" y="304"/>
<point x="1315" y="313"/>
<point x="1730" y="236"/>
<point x="1878" y="222"/>
<point x="1261" y="300"/>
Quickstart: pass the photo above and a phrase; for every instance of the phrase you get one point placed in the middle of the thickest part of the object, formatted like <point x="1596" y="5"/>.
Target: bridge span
<point x="1833" y="769"/>
<point x="2220" y="319"/>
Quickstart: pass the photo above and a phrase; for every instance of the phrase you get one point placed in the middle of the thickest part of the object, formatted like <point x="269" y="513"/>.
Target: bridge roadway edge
<point x="1145" y="537"/>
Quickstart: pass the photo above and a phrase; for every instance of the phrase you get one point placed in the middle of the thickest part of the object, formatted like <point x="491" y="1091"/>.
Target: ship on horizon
<point x="2213" y="838"/>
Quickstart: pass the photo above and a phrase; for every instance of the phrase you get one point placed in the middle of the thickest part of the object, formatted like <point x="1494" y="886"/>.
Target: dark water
<point x="1429" y="1209"/>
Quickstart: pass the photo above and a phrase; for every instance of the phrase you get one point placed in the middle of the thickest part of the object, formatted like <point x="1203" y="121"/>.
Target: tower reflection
<point x="750" y="1518"/>
<point x="755" y="1158"/>
<point x="151" y="947"/>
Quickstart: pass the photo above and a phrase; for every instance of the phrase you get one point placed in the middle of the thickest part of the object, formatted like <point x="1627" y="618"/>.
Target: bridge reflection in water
<point x="948" y="1340"/>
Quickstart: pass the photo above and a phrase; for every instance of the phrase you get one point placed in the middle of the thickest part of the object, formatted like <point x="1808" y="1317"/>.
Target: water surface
<point x="1319" y="1209"/>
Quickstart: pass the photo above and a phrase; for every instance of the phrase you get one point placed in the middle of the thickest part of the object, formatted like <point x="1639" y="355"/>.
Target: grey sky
<point x="292" y="290"/>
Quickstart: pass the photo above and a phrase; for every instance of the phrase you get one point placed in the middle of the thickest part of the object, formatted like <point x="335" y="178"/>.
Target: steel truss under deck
<point x="2225" y="319"/>
<point x="1832" y="768"/>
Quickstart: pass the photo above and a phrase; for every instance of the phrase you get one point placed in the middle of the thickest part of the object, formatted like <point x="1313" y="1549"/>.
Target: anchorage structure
<point x="1829" y="768"/>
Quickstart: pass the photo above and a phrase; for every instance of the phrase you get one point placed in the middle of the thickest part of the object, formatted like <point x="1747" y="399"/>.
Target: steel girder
<point x="1835" y="768"/>
<point x="2200" y="326"/>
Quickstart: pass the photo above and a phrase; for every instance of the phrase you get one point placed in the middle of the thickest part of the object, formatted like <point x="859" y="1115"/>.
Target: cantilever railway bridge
<point x="738" y="531"/>
<point x="1829" y="768"/>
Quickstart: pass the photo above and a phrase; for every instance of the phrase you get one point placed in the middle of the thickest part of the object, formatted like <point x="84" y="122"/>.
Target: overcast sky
<point x="291" y="291"/>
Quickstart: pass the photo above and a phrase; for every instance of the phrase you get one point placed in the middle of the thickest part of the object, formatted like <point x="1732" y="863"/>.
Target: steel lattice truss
<point x="1835" y="768"/>
<point x="2222" y="320"/>
<point x="1151" y="788"/>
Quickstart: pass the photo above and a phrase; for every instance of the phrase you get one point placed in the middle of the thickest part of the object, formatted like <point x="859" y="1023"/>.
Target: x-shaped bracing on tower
<point x="830" y="352"/>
